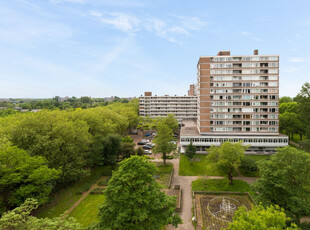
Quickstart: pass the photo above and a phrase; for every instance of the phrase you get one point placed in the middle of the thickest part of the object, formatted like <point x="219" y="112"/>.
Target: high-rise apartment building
<point x="238" y="100"/>
<point x="238" y="94"/>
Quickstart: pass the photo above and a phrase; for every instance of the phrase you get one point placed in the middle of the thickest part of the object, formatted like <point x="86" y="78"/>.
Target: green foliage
<point x="91" y="204"/>
<point x="51" y="134"/>
<point x="164" y="172"/>
<point x="140" y="151"/>
<point x="303" y="98"/>
<point x="190" y="150"/>
<point x="7" y="112"/>
<point x="285" y="100"/>
<point x="20" y="218"/>
<point x="66" y="197"/>
<point x="171" y="121"/>
<point x="163" y="140"/>
<point x="290" y="107"/>
<point x="97" y="191"/>
<point x="285" y="181"/>
<point x="260" y="218"/>
<point x="249" y="164"/>
<point x="200" y="165"/>
<point x="23" y="176"/>
<point x="134" y="200"/>
<point x="227" y="157"/>
<point x="127" y="147"/>
<point x="220" y="185"/>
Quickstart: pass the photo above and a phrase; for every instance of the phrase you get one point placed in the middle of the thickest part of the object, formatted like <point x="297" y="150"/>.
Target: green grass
<point x="65" y="198"/>
<point x="200" y="166"/>
<point x="86" y="212"/>
<point x="220" y="185"/>
<point x="256" y="158"/>
<point x="164" y="172"/>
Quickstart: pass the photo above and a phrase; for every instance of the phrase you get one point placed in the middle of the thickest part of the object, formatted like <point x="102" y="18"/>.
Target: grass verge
<point x="65" y="198"/>
<point x="220" y="185"/>
<point x="86" y="212"/>
<point x="199" y="166"/>
<point x="164" y="172"/>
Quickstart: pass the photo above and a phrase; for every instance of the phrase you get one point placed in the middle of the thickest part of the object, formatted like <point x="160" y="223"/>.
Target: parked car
<point x="145" y="140"/>
<point x="148" y="134"/>
<point x="147" y="152"/>
<point x="141" y="143"/>
<point x="146" y="147"/>
<point x="173" y="142"/>
<point x="150" y="144"/>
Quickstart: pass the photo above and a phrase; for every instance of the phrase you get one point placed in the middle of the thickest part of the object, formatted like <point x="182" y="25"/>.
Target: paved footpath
<point x="186" y="186"/>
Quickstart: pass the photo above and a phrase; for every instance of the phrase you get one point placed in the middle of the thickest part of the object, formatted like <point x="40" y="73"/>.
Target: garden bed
<point x="207" y="208"/>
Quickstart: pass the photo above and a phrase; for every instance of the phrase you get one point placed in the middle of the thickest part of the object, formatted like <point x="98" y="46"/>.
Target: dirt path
<point x="84" y="195"/>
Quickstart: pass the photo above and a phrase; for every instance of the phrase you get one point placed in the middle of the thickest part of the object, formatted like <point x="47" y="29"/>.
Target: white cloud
<point x="120" y="21"/>
<point x="167" y="29"/>
<point x="71" y="1"/>
<point x="296" y="60"/>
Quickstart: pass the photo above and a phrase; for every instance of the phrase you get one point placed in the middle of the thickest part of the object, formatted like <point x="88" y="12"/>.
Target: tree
<point x="20" y="218"/>
<point x="260" y="218"/>
<point x="290" y="123"/>
<point x="285" y="181"/>
<point x="227" y="157"/>
<point x="23" y="176"/>
<point x="291" y="107"/>
<point x="127" y="147"/>
<point x="139" y="151"/>
<point x="190" y="150"/>
<point x="171" y="122"/>
<point x="111" y="146"/>
<point x="63" y="142"/>
<point x="304" y="105"/>
<point x="163" y="140"/>
<point x="285" y="100"/>
<point x="134" y="199"/>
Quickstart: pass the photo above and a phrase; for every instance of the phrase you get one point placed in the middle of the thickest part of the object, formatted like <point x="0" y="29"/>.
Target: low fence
<point x="179" y="201"/>
<point x="171" y="177"/>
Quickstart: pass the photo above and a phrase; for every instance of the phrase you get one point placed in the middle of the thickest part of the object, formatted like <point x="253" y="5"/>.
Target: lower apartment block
<point x="259" y="144"/>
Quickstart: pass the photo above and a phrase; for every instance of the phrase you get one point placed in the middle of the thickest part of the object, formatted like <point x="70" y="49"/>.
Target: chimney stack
<point x="256" y="52"/>
<point x="147" y="94"/>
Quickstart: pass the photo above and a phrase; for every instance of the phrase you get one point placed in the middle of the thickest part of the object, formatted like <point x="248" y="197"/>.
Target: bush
<point x="249" y="164"/>
<point x="97" y="191"/>
<point x="104" y="182"/>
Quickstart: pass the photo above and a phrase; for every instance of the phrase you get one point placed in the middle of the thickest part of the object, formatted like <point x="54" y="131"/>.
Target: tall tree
<point x="23" y="176"/>
<point x="304" y="105"/>
<point x="163" y="140"/>
<point x="227" y="157"/>
<point x="20" y="218"/>
<point x="260" y="218"/>
<point x="285" y="100"/>
<point x="111" y="146"/>
<point x="190" y="150"/>
<point x="63" y="142"/>
<point x="171" y="121"/>
<point x="134" y="199"/>
<point x="285" y="181"/>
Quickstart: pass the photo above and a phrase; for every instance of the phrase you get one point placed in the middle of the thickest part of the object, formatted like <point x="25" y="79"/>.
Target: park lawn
<point x="256" y="158"/>
<point x="221" y="185"/>
<point x="163" y="174"/>
<point x="201" y="167"/>
<point x="86" y="212"/>
<point x="65" y="198"/>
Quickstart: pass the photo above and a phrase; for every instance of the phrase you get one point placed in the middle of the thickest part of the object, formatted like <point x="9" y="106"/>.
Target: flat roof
<point x="189" y="128"/>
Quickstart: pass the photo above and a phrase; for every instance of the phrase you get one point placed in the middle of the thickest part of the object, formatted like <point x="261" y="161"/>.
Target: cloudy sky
<point x="105" y="48"/>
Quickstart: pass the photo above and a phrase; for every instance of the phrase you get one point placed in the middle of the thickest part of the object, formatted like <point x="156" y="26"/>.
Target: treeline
<point x="60" y="103"/>
<point x="52" y="148"/>
<point x="295" y="116"/>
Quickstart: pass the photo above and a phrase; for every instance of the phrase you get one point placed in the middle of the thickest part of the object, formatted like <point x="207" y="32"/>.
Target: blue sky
<point x="105" y="48"/>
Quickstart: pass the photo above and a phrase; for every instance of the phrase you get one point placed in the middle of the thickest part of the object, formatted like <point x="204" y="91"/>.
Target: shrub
<point x="249" y="164"/>
<point x="97" y="191"/>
